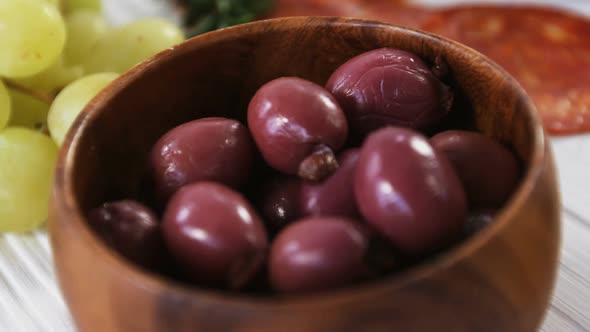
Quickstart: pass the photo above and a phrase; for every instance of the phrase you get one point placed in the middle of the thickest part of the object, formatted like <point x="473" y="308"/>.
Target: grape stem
<point x="44" y="97"/>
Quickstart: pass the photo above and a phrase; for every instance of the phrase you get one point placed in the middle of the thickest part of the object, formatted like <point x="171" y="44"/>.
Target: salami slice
<point x="397" y="12"/>
<point x="285" y="8"/>
<point x="391" y="11"/>
<point x="546" y="50"/>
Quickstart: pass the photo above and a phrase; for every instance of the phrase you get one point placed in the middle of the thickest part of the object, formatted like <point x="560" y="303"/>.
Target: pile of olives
<point x="350" y="189"/>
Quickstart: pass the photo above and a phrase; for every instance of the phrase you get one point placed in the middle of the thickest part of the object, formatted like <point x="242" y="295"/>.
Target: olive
<point x="208" y="149"/>
<point x="389" y="87"/>
<point x="318" y="254"/>
<point x="215" y="235"/>
<point x="478" y="220"/>
<point x="280" y="201"/>
<point x="335" y="195"/>
<point x="297" y="126"/>
<point x="488" y="171"/>
<point x="409" y="191"/>
<point x="131" y="229"/>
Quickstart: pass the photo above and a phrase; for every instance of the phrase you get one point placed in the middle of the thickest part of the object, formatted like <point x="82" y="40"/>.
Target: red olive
<point x="297" y="126"/>
<point x="335" y="195"/>
<point x="478" y="220"/>
<point x="280" y="201"/>
<point x="208" y="149"/>
<point x="488" y="171"/>
<point x="389" y="87"/>
<point x="131" y="229"/>
<point x="215" y="235"/>
<point x="318" y="254"/>
<point x="409" y="191"/>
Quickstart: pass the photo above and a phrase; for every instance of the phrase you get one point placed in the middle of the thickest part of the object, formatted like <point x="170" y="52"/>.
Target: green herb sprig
<point x="208" y="15"/>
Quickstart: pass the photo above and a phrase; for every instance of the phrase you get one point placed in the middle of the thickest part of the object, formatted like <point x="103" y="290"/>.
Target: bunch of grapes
<point x="55" y="56"/>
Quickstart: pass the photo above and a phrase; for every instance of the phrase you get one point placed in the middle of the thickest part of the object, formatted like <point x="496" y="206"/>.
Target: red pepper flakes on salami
<point x="545" y="49"/>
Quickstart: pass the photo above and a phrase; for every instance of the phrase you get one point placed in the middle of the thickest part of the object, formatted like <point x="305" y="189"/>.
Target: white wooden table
<point x="30" y="300"/>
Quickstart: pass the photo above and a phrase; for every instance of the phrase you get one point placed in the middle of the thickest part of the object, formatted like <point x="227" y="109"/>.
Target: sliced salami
<point x="284" y="8"/>
<point x="545" y="49"/>
<point x="396" y="12"/>
<point x="391" y="11"/>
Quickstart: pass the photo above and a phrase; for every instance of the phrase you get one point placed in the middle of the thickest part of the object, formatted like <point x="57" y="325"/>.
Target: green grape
<point x="71" y="6"/>
<point x="53" y="78"/>
<point x="84" y="28"/>
<point x="126" y="46"/>
<point x="33" y="35"/>
<point x="71" y="100"/>
<point x="27" y="111"/>
<point x="5" y="105"/>
<point x="53" y="2"/>
<point x="27" y="160"/>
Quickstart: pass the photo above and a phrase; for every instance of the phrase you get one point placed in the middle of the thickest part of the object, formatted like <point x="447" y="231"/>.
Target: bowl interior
<point x="217" y="74"/>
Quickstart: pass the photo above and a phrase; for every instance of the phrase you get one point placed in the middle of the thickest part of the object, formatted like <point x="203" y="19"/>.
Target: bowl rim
<point x="66" y="207"/>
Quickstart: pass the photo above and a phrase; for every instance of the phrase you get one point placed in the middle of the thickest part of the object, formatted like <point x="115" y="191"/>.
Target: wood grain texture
<point x="500" y="280"/>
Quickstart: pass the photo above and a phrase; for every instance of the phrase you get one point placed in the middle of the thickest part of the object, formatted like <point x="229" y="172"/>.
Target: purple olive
<point x="335" y="195"/>
<point x="389" y="87"/>
<point x="297" y="126"/>
<point x="215" y="235"/>
<point x="280" y="199"/>
<point x="488" y="171"/>
<point x="408" y="191"/>
<point x="208" y="149"/>
<point x="478" y="220"/>
<point x="318" y="254"/>
<point x="131" y="229"/>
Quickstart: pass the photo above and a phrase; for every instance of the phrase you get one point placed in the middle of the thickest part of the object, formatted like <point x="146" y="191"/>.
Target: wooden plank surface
<point x="30" y="300"/>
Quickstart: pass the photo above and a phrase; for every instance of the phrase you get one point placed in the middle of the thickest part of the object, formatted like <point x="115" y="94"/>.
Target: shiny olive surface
<point x="208" y="149"/>
<point x="335" y="195"/>
<point x="318" y="254"/>
<point x="478" y="220"/>
<point x="488" y="170"/>
<point x="409" y="191"/>
<point x="389" y="87"/>
<point x="297" y="126"/>
<point x="215" y="235"/>
<point x="131" y="229"/>
<point x="280" y="201"/>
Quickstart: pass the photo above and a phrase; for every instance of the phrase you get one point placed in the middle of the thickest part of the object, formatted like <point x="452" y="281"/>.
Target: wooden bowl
<point x="499" y="280"/>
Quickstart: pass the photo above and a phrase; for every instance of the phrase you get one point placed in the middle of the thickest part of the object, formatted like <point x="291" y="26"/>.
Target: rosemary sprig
<point x="208" y="15"/>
